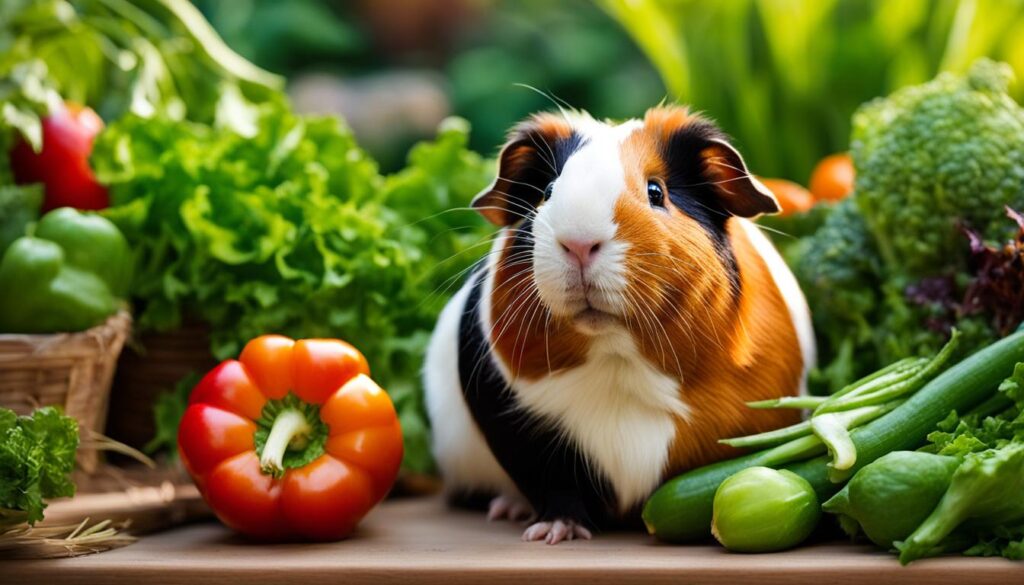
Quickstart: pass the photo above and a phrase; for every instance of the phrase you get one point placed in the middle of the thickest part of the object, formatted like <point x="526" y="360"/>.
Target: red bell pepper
<point x="293" y="440"/>
<point x="62" y="165"/>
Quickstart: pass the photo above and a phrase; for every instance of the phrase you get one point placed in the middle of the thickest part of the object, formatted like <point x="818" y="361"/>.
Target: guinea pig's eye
<point x="655" y="194"/>
<point x="548" y="190"/>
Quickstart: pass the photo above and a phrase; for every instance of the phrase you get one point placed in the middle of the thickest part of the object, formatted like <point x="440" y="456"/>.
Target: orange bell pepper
<point x="293" y="440"/>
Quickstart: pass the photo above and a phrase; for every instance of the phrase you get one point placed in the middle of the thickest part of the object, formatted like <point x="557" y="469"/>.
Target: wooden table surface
<point x="420" y="541"/>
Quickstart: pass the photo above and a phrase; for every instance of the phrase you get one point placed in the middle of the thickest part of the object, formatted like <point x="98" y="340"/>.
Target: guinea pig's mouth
<point x="592" y="320"/>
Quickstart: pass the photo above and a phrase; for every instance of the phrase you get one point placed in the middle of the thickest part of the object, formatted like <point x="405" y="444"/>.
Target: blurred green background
<point x="781" y="76"/>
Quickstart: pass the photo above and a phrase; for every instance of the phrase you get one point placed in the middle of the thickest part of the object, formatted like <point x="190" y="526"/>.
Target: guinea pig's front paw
<point x="555" y="531"/>
<point x="514" y="508"/>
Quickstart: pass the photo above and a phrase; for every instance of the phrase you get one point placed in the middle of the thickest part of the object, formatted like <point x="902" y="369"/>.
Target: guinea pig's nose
<point x="582" y="252"/>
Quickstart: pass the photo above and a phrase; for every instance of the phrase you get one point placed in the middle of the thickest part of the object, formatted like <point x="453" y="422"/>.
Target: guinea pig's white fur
<point x="582" y="208"/>
<point x="618" y="407"/>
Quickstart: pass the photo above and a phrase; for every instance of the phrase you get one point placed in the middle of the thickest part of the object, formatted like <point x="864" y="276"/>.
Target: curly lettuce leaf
<point x="976" y="432"/>
<point x="168" y="411"/>
<point x="1013" y="387"/>
<point x="1002" y="541"/>
<point x="37" y="454"/>
<point x="984" y="493"/>
<point x="292" y="230"/>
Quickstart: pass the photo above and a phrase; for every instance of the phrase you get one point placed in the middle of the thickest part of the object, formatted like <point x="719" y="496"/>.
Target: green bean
<point x="790" y="402"/>
<point x="897" y="367"/>
<point x="876" y="384"/>
<point x="770" y="438"/>
<point x="894" y="391"/>
<point x="883" y="379"/>
<point x="795" y="450"/>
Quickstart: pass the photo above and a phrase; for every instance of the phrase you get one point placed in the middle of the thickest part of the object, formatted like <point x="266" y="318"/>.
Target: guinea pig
<point x="626" y="312"/>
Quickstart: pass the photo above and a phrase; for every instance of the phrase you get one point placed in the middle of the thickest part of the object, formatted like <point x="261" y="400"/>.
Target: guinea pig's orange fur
<point x="725" y="349"/>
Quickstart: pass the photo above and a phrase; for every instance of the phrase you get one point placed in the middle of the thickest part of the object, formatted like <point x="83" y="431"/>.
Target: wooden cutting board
<point x="420" y="541"/>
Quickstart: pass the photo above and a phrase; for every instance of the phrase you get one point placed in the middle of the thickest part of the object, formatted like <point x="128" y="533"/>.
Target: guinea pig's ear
<point x="694" y="148"/>
<point x="530" y="160"/>
<point x="739" y="191"/>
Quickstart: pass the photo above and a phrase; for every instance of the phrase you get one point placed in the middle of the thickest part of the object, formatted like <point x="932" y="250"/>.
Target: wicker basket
<point x="153" y="363"/>
<point x="73" y="370"/>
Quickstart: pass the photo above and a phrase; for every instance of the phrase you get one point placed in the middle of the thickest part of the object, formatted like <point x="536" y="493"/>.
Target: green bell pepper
<point x="92" y="243"/>
<point x="70" y="276"/>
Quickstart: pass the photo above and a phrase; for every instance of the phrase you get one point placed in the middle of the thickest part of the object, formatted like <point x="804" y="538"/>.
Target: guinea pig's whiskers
<point x="485" y="241"/>
<point x="675" y="316"/>
<point x="641" y="320"/>
<point x="445" y="286"/>
<point x="523" y="183"/>
<point x="744" y="174"/>
<point x="538" y="309"/>
<point x="525" y="308"/>
<point x="504" y="289"/>
<point x="556" y="101"/>
<point x="510" y="283"/>
<point x="439" y="214"/>
<point x="540" y="154"/>
<point x="522" y="210"/>
<point x="660" y="279"/>
<point x="700" y="300"/>
<point x="521" y="304"/>
<point x="517" y="259"/>
<point x="647" y="311"/>
<point x="776" y="231"/>
<point x="674" y="259"/>
<point x="495" y="292"/>
<point x="481" y="358"/>
<point x="547" y="341"/>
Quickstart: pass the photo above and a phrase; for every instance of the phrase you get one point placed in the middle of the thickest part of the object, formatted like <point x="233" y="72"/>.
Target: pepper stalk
<point x="289" y="434"/>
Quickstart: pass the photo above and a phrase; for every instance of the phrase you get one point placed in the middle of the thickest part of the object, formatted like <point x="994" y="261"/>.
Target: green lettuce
<point x="993" y="425"/>
<point x="981" y="512"/>
<point x="267" y="221"/>
<point x="984" y="493"/>
<point x="37" y="454"/>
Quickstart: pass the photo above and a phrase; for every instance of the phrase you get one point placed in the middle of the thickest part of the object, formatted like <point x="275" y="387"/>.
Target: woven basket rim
<point x="74" y="370"/>
<point x="77" y="344"/>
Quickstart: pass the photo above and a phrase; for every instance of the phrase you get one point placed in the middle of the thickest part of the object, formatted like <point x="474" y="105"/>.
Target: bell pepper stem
<point x="290" y="430"/>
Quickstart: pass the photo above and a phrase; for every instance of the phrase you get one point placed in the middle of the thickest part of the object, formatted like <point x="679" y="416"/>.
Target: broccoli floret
<point x="840" y="264"/>
<point x="839" y="273"/>
<point x="885" y="274"/>
<point x="935" y="156"/>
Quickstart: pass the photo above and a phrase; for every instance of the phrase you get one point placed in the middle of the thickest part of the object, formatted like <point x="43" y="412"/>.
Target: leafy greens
<point x="144" y="56"/>
<point x="981" y="512"/>
<point x="241" y="212"/>
<point x="267" y="221"/>
<point x="37" y="453"/>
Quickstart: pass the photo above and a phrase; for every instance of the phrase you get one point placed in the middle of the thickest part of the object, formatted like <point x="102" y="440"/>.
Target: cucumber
<point x="680" y="510"/>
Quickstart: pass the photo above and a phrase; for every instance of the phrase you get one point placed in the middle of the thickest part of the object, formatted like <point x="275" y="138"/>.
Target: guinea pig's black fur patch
<point x="525" y="184"/>
<point x="693" y="193"/>
<point x="549" y="471"/>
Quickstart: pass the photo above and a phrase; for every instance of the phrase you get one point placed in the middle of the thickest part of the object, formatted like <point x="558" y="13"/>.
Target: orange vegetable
<point x="792" y="197"/>
<point x="832" y="179"/>
<point x="293" y="440"/>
